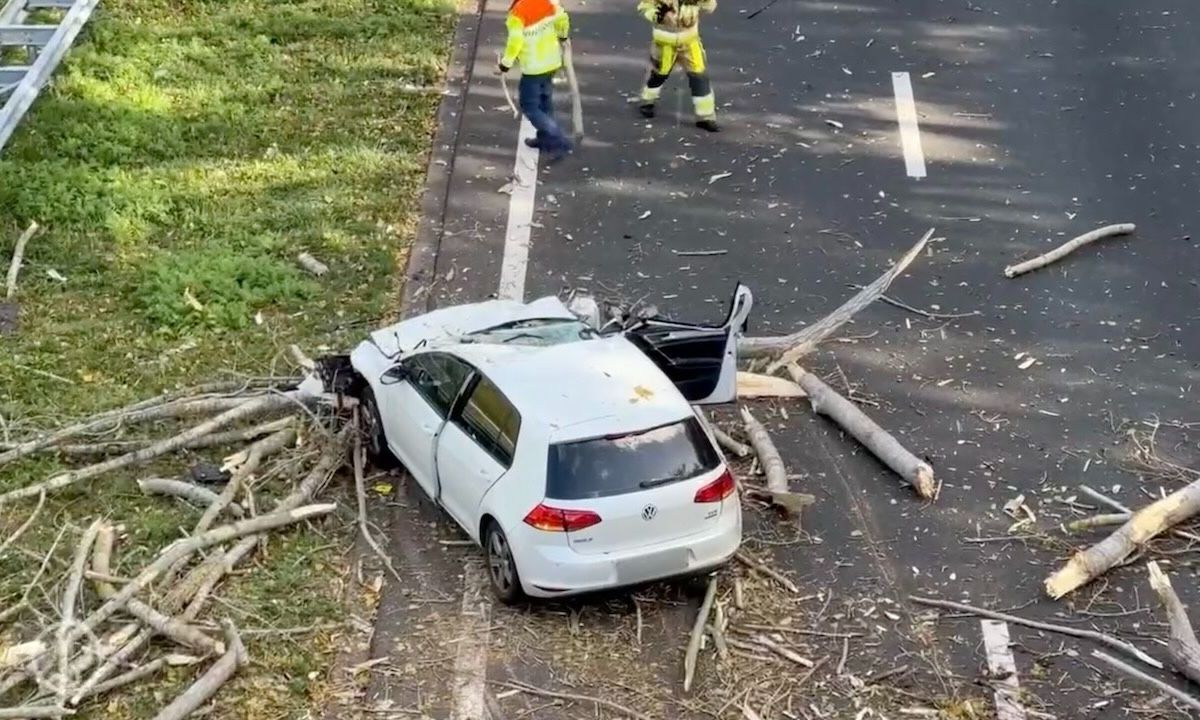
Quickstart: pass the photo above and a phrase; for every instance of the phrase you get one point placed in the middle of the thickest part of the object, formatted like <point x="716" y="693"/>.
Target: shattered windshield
<point x="542" y="332"/>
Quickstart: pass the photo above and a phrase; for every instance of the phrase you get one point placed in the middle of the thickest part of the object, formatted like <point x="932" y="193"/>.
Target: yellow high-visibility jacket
<point x="535" y="28"/>
<point x="675" y="21"/>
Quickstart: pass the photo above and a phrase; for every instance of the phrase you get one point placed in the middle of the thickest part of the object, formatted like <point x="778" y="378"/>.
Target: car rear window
<point x="620" y="464"/>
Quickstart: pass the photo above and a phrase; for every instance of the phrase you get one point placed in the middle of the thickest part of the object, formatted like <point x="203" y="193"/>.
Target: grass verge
<point x="186" y="153"/>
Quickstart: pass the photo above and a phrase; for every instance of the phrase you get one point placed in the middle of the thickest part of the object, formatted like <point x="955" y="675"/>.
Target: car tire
<point x="500" y="566"/>
<point x="373" y="436"/>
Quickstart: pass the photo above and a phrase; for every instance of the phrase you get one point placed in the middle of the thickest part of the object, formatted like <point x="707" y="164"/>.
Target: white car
<point x="574" y="457"/>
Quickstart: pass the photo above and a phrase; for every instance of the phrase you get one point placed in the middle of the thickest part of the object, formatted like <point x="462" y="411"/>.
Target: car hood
<point x="453" y="322"/>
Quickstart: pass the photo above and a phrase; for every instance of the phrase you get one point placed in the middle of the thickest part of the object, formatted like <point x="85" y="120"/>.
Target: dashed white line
<point x="470" y="660"/>
<point x="1003" y="670"/>
<point x="515" y="261"/>
<point x="910" y="131"/>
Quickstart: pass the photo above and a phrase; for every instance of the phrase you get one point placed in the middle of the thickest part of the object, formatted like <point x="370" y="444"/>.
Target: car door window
<point x="490" y="420"/>
<point x="438" y="378"/>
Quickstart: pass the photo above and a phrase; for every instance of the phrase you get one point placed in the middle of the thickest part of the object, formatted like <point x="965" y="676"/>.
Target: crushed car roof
<point x="581" y="389"/>
<point x="452" y="322"/>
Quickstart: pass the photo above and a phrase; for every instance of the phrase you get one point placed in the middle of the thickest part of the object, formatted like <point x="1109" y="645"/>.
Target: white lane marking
<point x="1003" y="669"/>
<point x="470" y="661"/>
<point x="910" y="132"/>
<point x="515" y="261"/>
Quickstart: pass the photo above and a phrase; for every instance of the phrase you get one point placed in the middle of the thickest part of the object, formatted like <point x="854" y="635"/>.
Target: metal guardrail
<point x="46" y="46"/>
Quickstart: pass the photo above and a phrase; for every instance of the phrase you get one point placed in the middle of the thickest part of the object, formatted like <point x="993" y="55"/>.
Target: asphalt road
<point x="1038" y="121"/>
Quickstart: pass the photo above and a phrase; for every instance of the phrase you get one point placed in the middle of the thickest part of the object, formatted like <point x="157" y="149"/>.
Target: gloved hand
<point x="665" y="13"/>
<point x="502" y="69"/>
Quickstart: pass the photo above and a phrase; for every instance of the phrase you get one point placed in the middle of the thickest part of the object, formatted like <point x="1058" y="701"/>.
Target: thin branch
<point x="14" y="267"/>
<point x="1101" y="638"/>
<point x="621" y="709"/>
<point x="244" y="410"/>
<point x="800" y="343"/>
<point x="1159" y="685"/>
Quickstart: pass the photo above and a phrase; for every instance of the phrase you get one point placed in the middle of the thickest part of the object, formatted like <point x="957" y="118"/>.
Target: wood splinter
<point x="1062" y="251"/>
<point x="826" y="402"/>
<point x="1182" y="644"/>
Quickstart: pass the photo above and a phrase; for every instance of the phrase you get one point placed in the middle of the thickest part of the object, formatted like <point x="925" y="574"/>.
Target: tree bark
<point x="194" y="494"/>
<point x="158" y="622"/>
<point x="1062" y="251"/>
<point x="66" y="627"/>
<point x="1182" y="644"/>
<point x="826" y="402"/>
<point x="723" y="439"/>
<point x="210" y="682"/>
<point x="693" y="646"/>
<point x="773" y="468"/>
<point x="803" y="341"/>
<point x="1144" y="525"/>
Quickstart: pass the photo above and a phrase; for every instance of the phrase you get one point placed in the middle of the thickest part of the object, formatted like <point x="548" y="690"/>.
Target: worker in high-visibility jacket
<point x="536" y="29"/>
<point x="677" y="40"/>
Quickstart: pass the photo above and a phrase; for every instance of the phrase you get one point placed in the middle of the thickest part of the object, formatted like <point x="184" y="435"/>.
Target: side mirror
<point x="394" y="374"/>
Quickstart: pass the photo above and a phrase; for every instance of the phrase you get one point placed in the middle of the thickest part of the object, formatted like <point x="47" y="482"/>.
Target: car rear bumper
<point x="551" y="571"/>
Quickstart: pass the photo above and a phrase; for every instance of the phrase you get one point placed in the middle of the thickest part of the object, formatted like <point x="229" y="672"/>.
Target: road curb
<point x="420" y="270"/>
<point x="419" y="278"/>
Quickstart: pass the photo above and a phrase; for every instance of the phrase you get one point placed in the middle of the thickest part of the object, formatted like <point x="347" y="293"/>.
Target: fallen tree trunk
<point x="773" y="468"/>
<point x="890" y="452"/>
<point x="799" y="343"/>
<point x="1144" y="525"/>
<point x="1062" y="251"/>
<point x="1182" y="644"/>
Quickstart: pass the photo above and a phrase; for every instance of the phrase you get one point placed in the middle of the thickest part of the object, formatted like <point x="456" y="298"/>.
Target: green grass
<point x="186" y="153"/>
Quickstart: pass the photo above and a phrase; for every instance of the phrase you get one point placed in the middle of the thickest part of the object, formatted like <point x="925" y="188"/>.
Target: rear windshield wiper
<point x="647" y="484"/>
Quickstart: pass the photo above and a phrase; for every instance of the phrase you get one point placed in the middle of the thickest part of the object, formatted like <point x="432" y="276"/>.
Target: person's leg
<point x="534" y="92"/>
<point x="704" y="102"/>
<point x="662" y="59"/>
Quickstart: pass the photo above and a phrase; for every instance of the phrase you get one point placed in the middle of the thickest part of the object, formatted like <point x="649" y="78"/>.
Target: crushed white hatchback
<point x="572" y="455"/>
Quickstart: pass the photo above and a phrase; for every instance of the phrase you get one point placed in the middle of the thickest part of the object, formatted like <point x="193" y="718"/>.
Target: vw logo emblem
<point x="649" y="512"/>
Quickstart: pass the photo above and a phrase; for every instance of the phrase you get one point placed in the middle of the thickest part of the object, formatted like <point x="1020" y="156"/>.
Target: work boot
<point x="560" y="152"/>
<point x="647" y="110"/>
<point x="708" y="124"/>
<point x="533" y="142"/>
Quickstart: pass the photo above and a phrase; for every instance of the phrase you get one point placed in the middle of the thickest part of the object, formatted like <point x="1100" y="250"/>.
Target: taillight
<point x="718" y="489"/>
<point x="544" y="517"/>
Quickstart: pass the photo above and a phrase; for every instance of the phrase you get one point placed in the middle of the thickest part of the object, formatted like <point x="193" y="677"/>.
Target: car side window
<point x="438" y="378"/>
<point x="491" y="421"/>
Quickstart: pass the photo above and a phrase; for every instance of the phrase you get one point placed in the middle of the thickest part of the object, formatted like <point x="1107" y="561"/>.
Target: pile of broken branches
<point x="95" y="636"/>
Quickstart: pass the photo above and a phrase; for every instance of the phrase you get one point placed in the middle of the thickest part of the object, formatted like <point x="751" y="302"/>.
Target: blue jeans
<point x="536" y="94"/>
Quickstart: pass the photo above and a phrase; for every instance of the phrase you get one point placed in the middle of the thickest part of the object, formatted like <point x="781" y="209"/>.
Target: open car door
<point x="700" y="359"/>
